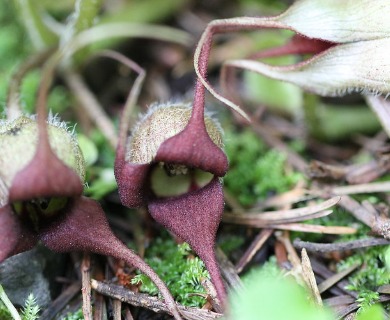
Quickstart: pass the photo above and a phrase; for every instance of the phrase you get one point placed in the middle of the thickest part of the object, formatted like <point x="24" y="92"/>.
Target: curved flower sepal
<point x="85" y="228"/>
<point x="349" y="39"/>
<point x="131" y="178"/>
<point x="193" y="147"/>
<point x="14" y="236"/>
<point x="194" y="217"/>
<point x="45" y="176"/>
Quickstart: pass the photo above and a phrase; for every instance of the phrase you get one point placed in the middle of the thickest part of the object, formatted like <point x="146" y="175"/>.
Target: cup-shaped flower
<point x="348" y="41"/>
<point x="41" y="183"/>
<point x="172" y="163"/>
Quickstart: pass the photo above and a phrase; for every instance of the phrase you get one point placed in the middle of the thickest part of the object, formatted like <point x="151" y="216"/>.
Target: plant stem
<point x="3" y="297"/>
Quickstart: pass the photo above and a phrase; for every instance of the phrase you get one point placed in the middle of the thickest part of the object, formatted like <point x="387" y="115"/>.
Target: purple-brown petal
<point x="194" y="217"/>
<point x="131" y="180"/>
<point x="14" y="236"/>
<point x="194" y="148"/>
<point x="45" y="176"/>
<point x="85" y="228"/>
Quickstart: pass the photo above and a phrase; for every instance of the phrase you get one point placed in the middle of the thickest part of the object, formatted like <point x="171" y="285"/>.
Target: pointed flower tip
<point x="33" y="170"/>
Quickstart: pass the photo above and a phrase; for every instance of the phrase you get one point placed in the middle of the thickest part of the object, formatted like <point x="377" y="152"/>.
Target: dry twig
<point x="152" y="303"/>
<point x="340" y="246"/>
<point x="61" y="301"/>
<point x="254" y="247"/>
<point x="329" y="282"/>
<point x="309" y="278"/>
<point x="86" y="286"/>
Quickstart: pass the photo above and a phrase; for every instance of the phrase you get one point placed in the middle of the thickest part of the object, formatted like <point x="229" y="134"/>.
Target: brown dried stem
<point x="86" y="286"/>
<point x="331" y="281"/>
<point x="61" y="301"/>
<point x="254" y="247"/>
<point x="340" y="246"/>
<point x="151" y="303"/>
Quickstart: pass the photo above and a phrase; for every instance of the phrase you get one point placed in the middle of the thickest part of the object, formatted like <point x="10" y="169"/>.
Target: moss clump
<point x="178" y="268"/>
<point x="255" y="172"/>
<point x="372" y="274"/>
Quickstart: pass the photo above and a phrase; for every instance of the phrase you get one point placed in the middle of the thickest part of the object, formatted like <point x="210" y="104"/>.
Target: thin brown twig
<point x="128" y="315"/>
<point x="339" y="300"/>
<point x="329" y="282"/>
<point x="357" y="210"/>
<point x="116" y="309"/>
<point x="254" y="247"/>
<point x="313" y="228"/>
<point x="309" y="278"/>
<point x="284" y="238"/>
<point x="324" y="272"/>
<point x="151" y="303"/>
<point x="264" y="219"/>
<point x="373" y="187"/>
<point x="228" y="270"/>
<point x="86" y="285"/>
<point x="61" y="301"/>
<point x="340" y="246"/>
<point x="354" y="306"/>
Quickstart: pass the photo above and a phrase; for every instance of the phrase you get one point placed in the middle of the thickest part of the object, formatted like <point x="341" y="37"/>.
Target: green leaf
<point x="31" y="15"/>
<point x="88" y="148"/>
<point x="374" y="312"/>
<point x="267" y="298"/>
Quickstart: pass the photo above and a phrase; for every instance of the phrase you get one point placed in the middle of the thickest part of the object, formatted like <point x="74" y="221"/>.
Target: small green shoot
<point x="31" y="309"/>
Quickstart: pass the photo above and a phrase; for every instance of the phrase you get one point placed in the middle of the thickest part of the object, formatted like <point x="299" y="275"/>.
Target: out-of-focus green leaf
<point x="143" y="11"/>
<point x="327" y="121"/>
<point x="88" y="148"/>
<point x="31" y="15"/>
<point x="283" y="97"/>
<point x="270" y="298"/>
<point x="374" y="312"/>
<point x="86" y="12"/>
<point x="102" y="185"/>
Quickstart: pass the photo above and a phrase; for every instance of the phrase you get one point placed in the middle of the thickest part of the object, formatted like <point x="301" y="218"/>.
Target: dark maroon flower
<point x="41" y="198"/>
<point x="172" y="163"/>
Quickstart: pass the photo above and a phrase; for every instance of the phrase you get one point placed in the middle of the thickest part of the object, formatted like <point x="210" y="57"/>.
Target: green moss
<point x="230" y="242"/>
<point x="372" y="274"/>
<point x="255" y="172"/>
<point x="77" y="315"/>
<point x="178" y="269"/>
<point x="4" y="313"/>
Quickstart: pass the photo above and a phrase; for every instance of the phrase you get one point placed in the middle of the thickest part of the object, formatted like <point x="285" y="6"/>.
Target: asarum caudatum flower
<point x="41" y="185"/>
<point x="172" y="163"/>
<point x="349" y="41"/>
